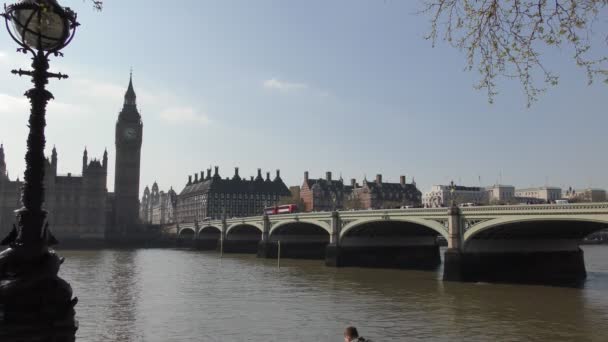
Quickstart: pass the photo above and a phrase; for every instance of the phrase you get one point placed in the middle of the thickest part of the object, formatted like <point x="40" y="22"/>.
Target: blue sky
<point x="346" y="86"/>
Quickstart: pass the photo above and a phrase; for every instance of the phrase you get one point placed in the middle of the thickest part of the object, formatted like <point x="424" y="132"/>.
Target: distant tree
<point x="502" y="38"/>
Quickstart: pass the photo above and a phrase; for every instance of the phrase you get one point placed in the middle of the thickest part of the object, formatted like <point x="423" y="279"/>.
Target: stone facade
<point x="324" y="194"/>
<point x="545" y="194"/>
<point x="158" y="207"/>
<point x="214" y="197"/>
<point x="10" y="197"/>
<point x="585" y="195"/>
<point x="76" y="203"/>
<point x="500" y="193"/>
<point x="442" y="195"/>
<point x="383" y="195"/>
<point x="328" y="194"/>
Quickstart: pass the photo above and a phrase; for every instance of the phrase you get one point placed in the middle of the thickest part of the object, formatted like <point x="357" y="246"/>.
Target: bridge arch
<point x="209" y="230"/>
<point x="538" y="227"/>
<point x="239" y="225"/>
<point x="431" y="225"/>
<point x="282" y="224"/>
<point x="185" y="233"/>
<point x="242" y="238"/>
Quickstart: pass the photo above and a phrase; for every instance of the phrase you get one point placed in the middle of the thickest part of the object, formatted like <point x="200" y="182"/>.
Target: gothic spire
<point x="85" y="159"/>
<point x="130" y="96"/>
<point x="54" y="158"/>
<point x="2" y="162"/>
<point x="105" y="159"/>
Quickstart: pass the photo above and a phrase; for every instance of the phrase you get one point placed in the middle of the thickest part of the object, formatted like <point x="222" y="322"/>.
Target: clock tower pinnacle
<point x="128" y="138"/>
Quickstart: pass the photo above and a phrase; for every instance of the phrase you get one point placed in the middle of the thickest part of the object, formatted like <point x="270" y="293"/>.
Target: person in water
<point x="352" y="335"/>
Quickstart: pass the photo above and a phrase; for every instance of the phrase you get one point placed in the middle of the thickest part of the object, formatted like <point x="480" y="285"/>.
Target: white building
<point x="585" y="195"/>
<point x="441" y="196"/>
<point x="545" y="193"/>
<point x="500" y="193"/>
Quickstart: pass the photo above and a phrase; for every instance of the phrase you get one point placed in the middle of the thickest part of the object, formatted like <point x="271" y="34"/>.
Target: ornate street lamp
<point x="31" y="293"/>
<point x="452" y="191"/>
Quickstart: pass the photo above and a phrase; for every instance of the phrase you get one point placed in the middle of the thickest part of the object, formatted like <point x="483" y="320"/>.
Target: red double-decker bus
<point x="281" y="209"/>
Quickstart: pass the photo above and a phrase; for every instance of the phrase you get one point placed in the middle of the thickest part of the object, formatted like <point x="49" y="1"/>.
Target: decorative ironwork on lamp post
<point x="31" y="293"/>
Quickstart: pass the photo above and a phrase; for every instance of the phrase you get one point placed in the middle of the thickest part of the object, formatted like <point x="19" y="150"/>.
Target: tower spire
<point x="2" y="162"/>
<point x="54" y="158"/>
<point x="130" y="96"/>
<point x="85" y="159"/>
<point x="105" y="159"/>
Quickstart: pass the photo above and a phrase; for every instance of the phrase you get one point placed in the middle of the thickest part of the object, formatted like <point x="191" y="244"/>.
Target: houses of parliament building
<point x="80" y="206"/>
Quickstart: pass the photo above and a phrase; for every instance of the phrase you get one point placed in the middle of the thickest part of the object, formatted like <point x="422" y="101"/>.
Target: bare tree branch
<point x="502" y="38"/>
<point x="97" y="4"/>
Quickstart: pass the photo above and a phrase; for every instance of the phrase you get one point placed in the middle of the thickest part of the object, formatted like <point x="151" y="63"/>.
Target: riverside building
<point x="211" y="197"/>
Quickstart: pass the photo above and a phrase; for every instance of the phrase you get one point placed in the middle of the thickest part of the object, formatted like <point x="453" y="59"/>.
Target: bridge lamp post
<point x="31" y="292"/>
<point x="452" y="194"/>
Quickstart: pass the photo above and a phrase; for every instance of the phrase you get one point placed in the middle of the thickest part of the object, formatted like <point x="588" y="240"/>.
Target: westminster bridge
<point x="526" y="243"/>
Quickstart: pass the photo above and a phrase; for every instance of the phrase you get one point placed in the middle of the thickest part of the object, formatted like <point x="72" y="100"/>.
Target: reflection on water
<point x="179" y="295"/>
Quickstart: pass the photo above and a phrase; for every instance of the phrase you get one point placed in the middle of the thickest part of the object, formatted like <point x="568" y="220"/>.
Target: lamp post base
<point x="31" y="292"/>
<point x="37" y="333"/>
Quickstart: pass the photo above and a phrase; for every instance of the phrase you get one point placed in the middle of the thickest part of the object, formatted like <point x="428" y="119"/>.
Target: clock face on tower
<point x="130" y="134"/>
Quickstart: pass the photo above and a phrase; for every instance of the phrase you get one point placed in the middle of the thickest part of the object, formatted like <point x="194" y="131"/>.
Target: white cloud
<point x="62" y="109"/>
<point x="19" y="105"/>
<point x="103" y="91"/>
<point x="12" y="104"/>
<point x="283" y="86"/>
<point x="184" y="115"/>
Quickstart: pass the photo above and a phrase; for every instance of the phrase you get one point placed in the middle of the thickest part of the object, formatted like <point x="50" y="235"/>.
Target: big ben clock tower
<point x="128" y="152"/>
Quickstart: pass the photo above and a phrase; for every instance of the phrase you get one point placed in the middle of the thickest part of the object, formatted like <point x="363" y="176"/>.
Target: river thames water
<point x="182" y="295"/>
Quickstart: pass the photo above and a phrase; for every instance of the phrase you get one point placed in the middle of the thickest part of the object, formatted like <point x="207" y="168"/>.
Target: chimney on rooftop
<point x="379" y="179"/>
<point x="189" y="180"/>
<point x="353" y="183"/>
<point x="306" y="176"/>
<point x="328" y="176"/>
<point x="402" y="180"/>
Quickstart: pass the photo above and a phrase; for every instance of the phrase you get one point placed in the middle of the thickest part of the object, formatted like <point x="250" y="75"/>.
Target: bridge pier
<point x="518" y="259"/>
<point x="185" y="243"/>
<point x="239" y="246"/>
<point x="332" y="256"/>
<point x="206" y="244"/>
<point x="264" y="247"/>
<point x="402" y="257"/>
<point x="548" y="267"/>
